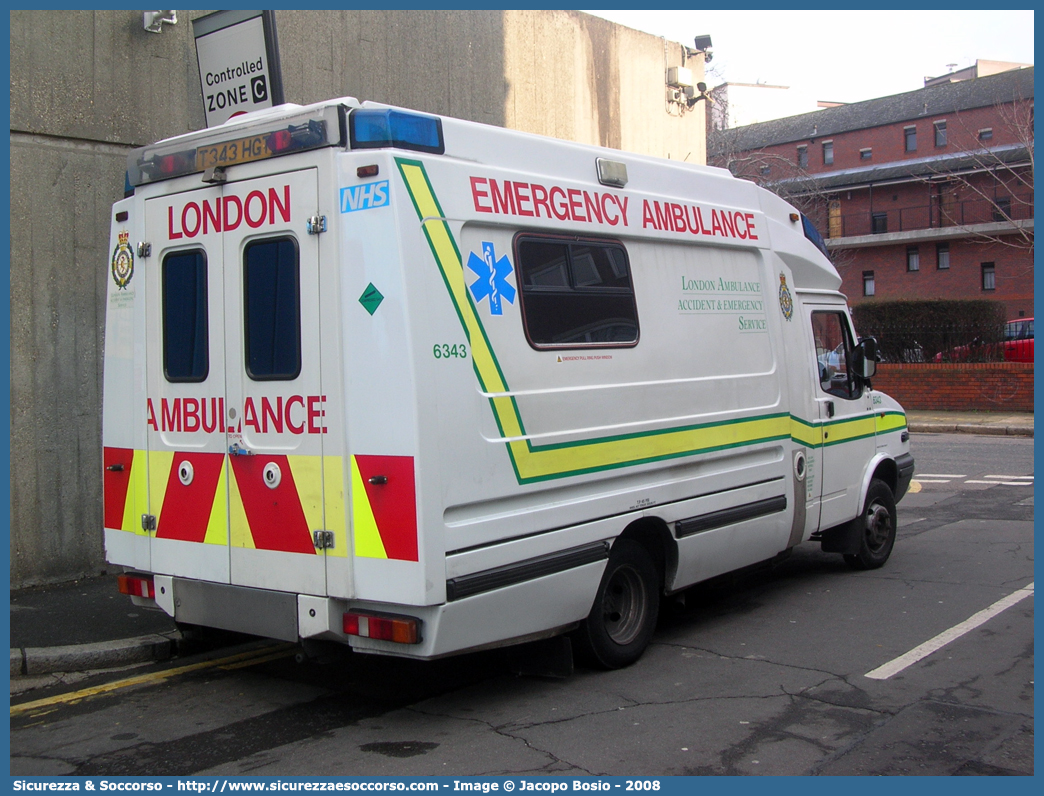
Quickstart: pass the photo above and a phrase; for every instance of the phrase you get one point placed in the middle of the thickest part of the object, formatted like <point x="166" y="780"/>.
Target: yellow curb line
<point x="231" y="662"/>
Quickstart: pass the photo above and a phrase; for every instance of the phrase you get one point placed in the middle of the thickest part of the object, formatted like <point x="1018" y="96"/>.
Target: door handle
<point x="830" y="408"/>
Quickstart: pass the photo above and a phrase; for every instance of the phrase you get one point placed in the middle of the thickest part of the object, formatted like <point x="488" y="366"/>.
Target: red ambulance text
<point x="226" y="213"/>
<point x="298" y="414"/>
<point x="535" y="200"/>
<point x="674" y="217"/>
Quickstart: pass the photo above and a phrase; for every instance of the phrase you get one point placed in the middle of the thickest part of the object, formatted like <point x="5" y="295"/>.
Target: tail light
<point x="400" y="629"/>
<point x="136" y="586"/>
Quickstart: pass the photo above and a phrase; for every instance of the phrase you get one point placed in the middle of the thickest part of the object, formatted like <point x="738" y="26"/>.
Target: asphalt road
<point x="762" y="673"/>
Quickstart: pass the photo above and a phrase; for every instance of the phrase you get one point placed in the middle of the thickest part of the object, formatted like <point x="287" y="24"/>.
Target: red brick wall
<point x="963" y="280"/>
<point x="960" y="387"/>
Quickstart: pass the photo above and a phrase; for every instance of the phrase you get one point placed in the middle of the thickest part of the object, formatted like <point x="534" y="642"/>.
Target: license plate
<point x="228" y="153"/>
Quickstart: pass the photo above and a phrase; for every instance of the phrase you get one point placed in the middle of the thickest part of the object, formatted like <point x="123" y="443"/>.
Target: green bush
<point x="917" y="331"/>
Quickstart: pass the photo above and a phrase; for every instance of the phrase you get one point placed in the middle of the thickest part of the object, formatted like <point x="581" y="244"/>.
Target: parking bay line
<point x="998" y="483"/>
<point x="938" y="642"/>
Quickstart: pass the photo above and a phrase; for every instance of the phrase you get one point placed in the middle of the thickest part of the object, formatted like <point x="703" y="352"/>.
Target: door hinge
<point x="148" y="522"/>
<point x="144" y="249"/>
<point x="323" y="540"/>
<point x="316" y="225"/>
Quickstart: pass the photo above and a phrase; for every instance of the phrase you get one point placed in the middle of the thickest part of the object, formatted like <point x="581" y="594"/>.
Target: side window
<point x="186" y="347"/>
<point x="575" y="293"/>
<point x="833" y="355"/>
<point x="272" y="309"/>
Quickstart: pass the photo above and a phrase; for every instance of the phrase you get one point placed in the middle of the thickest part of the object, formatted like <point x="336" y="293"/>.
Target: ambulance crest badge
<point x="123" y="262"/>
<point x="786" y="303"/>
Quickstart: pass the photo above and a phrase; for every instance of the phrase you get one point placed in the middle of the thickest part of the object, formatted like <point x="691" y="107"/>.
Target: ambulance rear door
<point x="236" y="418"/>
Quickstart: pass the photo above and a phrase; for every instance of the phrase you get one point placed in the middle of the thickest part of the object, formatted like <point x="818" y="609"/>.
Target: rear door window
<point x="272" y="309"/>
<point x="186" y="347"/>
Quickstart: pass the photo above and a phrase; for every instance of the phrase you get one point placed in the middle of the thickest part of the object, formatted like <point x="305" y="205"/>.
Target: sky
<point x="841" y="56"/>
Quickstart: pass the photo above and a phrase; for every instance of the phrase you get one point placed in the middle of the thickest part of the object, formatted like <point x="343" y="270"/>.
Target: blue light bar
<point x="813" y="235"/>
<point x="375" y="129"/>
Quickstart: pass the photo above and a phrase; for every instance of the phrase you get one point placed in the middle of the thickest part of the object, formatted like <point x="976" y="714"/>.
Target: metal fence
<point x="956" y="341"/>
<point x="935" y="215"/>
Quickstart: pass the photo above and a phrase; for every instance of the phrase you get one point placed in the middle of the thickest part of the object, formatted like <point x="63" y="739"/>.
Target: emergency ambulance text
<point x="298" y="414"/>
<point x="226" y="213"/>
<point x="673" y="217"/>
<point x="535" y="200"/>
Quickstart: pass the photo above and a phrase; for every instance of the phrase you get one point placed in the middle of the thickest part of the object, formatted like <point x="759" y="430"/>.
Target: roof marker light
<point x="611" y="172"/>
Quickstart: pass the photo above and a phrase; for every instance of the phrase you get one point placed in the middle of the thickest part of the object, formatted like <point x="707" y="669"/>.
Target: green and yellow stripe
<point x="543" y="462"/>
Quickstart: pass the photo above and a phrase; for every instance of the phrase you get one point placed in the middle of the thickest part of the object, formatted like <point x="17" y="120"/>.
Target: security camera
<point x="153" y="21"/>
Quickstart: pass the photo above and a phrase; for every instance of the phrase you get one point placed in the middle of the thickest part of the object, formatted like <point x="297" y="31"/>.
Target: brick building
<point x="926" y="194"/>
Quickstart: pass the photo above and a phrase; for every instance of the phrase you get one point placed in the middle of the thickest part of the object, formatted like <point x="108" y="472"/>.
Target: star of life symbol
<point x="492" y="281"/>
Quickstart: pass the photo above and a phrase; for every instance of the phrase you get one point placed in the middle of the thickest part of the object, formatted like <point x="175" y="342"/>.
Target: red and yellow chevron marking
<point x="255" y="516"/>
<point x="189" y="509"/>
<point x="275" y="519"/>
<point x="384" y="507"/>
<point x="116" y="483"/>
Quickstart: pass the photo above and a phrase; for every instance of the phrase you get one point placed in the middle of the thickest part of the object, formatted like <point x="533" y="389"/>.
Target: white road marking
<point x="1000" y="483"/>
<point x="1011" y="477"/>
<point x="932" y="481"/>
<point x="938" y="642"/>
<point x="938" y="475"/>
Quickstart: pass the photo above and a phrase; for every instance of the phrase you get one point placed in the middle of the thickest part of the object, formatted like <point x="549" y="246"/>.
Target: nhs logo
<point x="364" y="197"/>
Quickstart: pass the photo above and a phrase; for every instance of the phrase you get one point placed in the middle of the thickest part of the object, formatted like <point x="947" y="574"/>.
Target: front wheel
<point x="623" y="618"/>
<point x="878" y="528"/>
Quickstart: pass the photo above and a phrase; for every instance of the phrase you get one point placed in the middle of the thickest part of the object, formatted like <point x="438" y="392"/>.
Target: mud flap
<point x="844" y="538"/>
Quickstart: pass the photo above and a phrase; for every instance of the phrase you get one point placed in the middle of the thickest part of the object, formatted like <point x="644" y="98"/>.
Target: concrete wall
<point x="88" y="86"/>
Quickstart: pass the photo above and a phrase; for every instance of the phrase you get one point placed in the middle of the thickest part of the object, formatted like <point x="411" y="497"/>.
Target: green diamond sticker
<point x="371" y="298"/>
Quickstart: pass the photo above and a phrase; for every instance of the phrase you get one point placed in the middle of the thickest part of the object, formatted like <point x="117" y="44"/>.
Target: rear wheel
<point x="878" y="528"/>
<point x="623" y="618"/>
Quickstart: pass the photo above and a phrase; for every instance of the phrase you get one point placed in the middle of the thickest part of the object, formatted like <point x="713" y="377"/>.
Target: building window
<point x="986" y="134"/>
<point x="878" y="223"/>
<point x="940" y="134"/>
<point x="989" y="277"/>
<point x="942" y="256"/>
<point x="910" y="138"/>
<point x="868" y="283"/>
<point x="802" y="157"/>
<point x="913" y="258"/>
<point x="764" y="169"/>
<point x="575" y="293"/>
<point x="828" y="153"/>
<point x="1002" y="208"/>
<point x="186" y="355"/>
<point x="866" y="154"/>
<point x="272" y="309"/>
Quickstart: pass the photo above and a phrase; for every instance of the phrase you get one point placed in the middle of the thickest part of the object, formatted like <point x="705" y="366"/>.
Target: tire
<point x="623" y="618"/>
<point x="879" y="523"/>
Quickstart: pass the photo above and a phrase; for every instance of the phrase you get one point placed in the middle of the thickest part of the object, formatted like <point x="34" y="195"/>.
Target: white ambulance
<point x="423" y="386"/>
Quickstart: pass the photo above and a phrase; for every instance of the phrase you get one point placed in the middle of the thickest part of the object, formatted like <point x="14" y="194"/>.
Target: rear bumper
<point x="506" y="614"/>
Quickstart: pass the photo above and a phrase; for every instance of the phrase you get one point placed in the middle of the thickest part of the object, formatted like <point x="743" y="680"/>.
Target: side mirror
<point x="865" y="359"/>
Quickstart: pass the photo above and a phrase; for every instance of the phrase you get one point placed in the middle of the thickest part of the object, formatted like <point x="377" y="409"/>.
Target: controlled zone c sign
<point x="238" y="63"/>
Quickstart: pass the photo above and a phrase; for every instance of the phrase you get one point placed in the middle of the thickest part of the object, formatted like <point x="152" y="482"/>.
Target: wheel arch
<point x="655" y="536"/>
